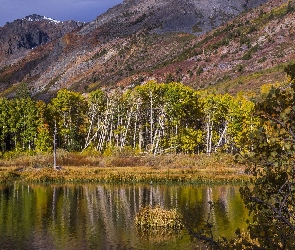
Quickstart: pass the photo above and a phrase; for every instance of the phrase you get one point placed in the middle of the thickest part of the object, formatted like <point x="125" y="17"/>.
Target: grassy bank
<point x="77" y="167"/>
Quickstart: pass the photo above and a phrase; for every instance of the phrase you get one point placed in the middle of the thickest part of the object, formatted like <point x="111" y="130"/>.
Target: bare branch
<point x="280" y="216"/>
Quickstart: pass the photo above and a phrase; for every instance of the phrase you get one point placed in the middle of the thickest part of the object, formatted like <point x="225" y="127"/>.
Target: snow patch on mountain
<point x="38" y="18"/>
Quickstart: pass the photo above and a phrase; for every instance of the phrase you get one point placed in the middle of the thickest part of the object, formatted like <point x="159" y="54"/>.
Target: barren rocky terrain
<point x="137" y="41"/>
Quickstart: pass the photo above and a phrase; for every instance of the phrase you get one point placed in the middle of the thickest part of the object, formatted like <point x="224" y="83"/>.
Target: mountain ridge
<point x="30" y="32"/>
<point x="193" y="16"/>
<point x="103" y="54"/>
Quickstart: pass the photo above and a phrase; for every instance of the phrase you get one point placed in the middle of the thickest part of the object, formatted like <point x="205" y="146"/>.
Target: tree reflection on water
<point x="102" y="216"/>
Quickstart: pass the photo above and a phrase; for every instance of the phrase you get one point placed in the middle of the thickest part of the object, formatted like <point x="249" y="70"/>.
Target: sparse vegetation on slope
<point x="92" y="57"/>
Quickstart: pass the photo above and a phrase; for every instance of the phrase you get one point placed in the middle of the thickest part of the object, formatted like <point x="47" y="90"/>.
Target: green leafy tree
<point x="216" y="119"/>
<point x="165" y="115"/>
<point x="270" y="153"/>
<point x="190" y="140"/>
<point x="43" y="141"/>
<point x="23" y="91"/>
<point x="4" y="123"/>
<point x="23" y="123"/>
<point x="68" y="110"/>
<point x="290" y="70"/>
<point x="271" y="197"/>
<point x="242" y="122"/>
<point x="151" y="116"/>
<point x="184" y="118"/>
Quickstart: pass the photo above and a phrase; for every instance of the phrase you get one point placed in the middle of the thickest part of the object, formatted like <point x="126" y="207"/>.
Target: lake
<point x="102" y="216"/>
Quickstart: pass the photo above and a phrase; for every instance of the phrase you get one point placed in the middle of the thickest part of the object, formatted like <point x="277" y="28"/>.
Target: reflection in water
<point x="102" y="216"/>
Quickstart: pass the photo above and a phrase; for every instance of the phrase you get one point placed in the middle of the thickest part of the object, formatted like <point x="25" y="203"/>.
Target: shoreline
<point x="165" y="169"/>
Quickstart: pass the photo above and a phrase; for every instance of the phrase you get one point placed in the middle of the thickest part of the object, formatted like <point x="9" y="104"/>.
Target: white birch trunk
<point x="222" y="136"/>
<point x="209" y="136"/>
<point x="129" y="116"/>
<point x="151" y="118"/>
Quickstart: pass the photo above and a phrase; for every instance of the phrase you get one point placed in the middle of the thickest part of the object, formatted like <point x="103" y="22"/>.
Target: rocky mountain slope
<point x="30" y="32"/>
<point x="141" y="40"/>
<point x="190" y="16"/>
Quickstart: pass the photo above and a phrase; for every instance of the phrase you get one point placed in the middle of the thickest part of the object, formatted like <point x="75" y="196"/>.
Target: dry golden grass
<point x="77" y="167"/>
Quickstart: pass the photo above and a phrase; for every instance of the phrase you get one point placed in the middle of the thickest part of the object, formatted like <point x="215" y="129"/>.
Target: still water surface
<point x="102" y="216"/>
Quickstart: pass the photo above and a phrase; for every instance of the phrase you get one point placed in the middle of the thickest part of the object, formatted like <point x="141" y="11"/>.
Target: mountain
<point x="190" y="16"/>
<point x="30" y="32"/>
<point x="138" y="40"/>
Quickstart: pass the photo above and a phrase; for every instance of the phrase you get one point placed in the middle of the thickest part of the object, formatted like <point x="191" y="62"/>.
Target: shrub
<point x="149" y="217"/>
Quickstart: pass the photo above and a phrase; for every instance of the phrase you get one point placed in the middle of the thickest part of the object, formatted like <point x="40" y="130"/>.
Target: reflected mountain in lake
<point x="102" y="216"/>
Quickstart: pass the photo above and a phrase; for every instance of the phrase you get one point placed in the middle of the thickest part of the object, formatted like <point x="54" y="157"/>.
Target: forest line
<point x="154" y="118"/>
<point x="157" y="118"/>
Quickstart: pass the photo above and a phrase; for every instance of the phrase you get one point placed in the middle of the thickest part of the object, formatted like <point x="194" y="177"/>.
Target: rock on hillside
<point x="30" y="32"/>
<point x="161" y="16"/>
